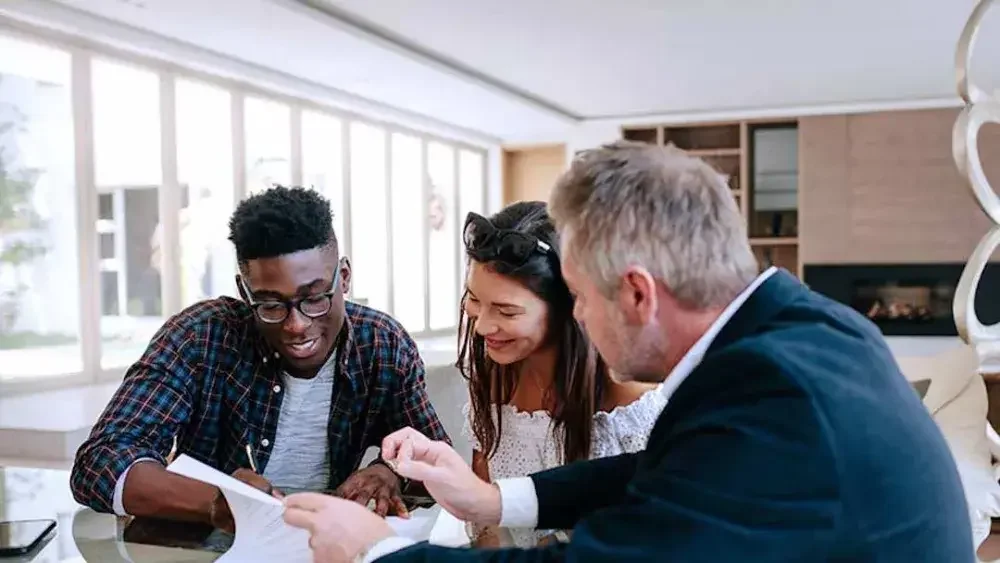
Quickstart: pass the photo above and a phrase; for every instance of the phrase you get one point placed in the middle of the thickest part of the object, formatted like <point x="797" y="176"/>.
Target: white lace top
<point x="529" y="444"/>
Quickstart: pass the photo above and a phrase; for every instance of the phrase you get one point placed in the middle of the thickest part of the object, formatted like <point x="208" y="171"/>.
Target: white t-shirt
<point x="300" y="459"/>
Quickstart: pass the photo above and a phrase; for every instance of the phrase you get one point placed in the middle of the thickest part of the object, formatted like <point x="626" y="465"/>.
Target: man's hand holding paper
<point x="222" y="516"/>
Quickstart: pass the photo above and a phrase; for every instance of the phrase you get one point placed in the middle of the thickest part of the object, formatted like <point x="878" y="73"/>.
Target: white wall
<point x="590" y="134"/>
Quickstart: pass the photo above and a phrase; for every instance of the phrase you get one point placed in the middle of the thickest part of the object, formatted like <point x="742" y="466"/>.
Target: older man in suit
<point x="790" y="434"/>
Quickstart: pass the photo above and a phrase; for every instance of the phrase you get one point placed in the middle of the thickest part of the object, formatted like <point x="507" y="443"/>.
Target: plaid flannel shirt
<point x="209" y="379"/>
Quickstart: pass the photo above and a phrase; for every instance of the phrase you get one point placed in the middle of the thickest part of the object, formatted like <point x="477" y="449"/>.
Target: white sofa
<point x="957" y="400"/>
<point x="448" y="391"/>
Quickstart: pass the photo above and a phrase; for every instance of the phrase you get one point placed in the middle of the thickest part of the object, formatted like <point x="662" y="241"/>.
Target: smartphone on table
<point x="21" y="537"/>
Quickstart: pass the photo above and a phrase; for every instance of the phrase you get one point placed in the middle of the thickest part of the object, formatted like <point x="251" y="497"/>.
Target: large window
<point x="128" y="173"/>
<point x="118" y="177"/>
<point x="370" y="283"/>
<point x="444" y="240"/>
<point x="39" y="272"/>
<point x="323" y="163"/>
<point x="205" y="178"/>
<point x="472" y="196"/>
<point x="269" y="144"/>
<point x="409" y="253"/>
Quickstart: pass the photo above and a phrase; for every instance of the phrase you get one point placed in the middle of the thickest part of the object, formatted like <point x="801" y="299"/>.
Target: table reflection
<point x="84" y="535"/>
<point x="99" y="537"/>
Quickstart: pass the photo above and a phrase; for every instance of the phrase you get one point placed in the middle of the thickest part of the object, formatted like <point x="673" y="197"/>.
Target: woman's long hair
<point x="580" y="373"/>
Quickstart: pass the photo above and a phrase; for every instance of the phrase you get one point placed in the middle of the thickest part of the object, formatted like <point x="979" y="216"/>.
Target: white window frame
<point x="90" y="265"/>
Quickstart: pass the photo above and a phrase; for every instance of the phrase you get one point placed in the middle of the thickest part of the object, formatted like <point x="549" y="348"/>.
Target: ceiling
<point x="598" y="58"/>
<point x="522" y="69"/>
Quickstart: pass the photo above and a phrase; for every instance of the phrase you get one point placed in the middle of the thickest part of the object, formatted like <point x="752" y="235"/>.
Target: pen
<point x="252" y="459"/>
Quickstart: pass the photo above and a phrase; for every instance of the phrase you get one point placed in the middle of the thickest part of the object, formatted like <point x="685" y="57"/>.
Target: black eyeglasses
<point x="486" y="243"/>
<point x="275" y="311"/>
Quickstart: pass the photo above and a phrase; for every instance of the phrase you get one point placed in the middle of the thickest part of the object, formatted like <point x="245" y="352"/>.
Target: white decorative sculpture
<point x="980" y="108"/>
<point x="975" y="456"/>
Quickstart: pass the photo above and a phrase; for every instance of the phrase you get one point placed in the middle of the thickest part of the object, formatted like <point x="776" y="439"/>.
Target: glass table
<point x="84" y="535"/>
<point x="81" y="534"/>
<point x="30" y="494"/>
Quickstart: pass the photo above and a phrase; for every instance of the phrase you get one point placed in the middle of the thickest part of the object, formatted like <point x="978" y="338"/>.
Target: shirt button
<point x="265" y="442"/>
<point x="276" y="388"/>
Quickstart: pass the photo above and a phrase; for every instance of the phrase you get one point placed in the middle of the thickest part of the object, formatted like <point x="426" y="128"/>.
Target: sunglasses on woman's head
<point x="485" y="242"/>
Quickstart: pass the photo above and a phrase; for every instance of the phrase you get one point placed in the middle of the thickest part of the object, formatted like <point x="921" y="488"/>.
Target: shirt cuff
<point x="385" y="547"/>
<point x="518" y="503"/>
<point x="118" y="502"/>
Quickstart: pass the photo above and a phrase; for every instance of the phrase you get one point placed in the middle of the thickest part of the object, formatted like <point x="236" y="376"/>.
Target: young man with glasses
<point x="292" y="381"/>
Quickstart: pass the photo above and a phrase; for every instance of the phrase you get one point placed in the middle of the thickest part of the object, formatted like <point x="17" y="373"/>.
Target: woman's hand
<point x="444" y="474"/>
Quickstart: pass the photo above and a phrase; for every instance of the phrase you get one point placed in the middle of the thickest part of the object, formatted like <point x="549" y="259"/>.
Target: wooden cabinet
<point x="760" y="160"/>
<point x="882" y="188"/>
<point x="529" y="173"/>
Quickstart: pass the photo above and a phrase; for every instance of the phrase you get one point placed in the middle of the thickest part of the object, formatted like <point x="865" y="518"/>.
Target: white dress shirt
<point x="518" y="499"/>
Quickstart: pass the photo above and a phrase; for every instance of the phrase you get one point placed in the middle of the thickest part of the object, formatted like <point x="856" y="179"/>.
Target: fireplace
<point x="905" y="299"/>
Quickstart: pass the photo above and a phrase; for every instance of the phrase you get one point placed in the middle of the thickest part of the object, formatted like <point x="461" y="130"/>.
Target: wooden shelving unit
<point x="774" y="241"/>
<point x="715" y="153"/>
<point x="760" y="158"/>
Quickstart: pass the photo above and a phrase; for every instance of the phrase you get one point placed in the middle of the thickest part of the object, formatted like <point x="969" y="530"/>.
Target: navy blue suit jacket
<point x="796" y="439"/>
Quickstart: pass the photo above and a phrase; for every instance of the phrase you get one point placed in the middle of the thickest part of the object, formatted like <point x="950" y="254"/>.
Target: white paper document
<point x="448" y="531"/>
<point x="261" y="532"/>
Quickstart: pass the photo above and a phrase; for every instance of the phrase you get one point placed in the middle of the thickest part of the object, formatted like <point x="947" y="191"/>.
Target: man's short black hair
<point x="280" y="221"/>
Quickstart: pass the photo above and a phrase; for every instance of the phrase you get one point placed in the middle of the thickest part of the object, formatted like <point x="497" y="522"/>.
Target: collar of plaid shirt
<point x="209" y="379"/>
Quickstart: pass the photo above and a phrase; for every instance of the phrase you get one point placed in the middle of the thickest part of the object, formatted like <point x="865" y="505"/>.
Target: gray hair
<point x="633" y="204"/>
